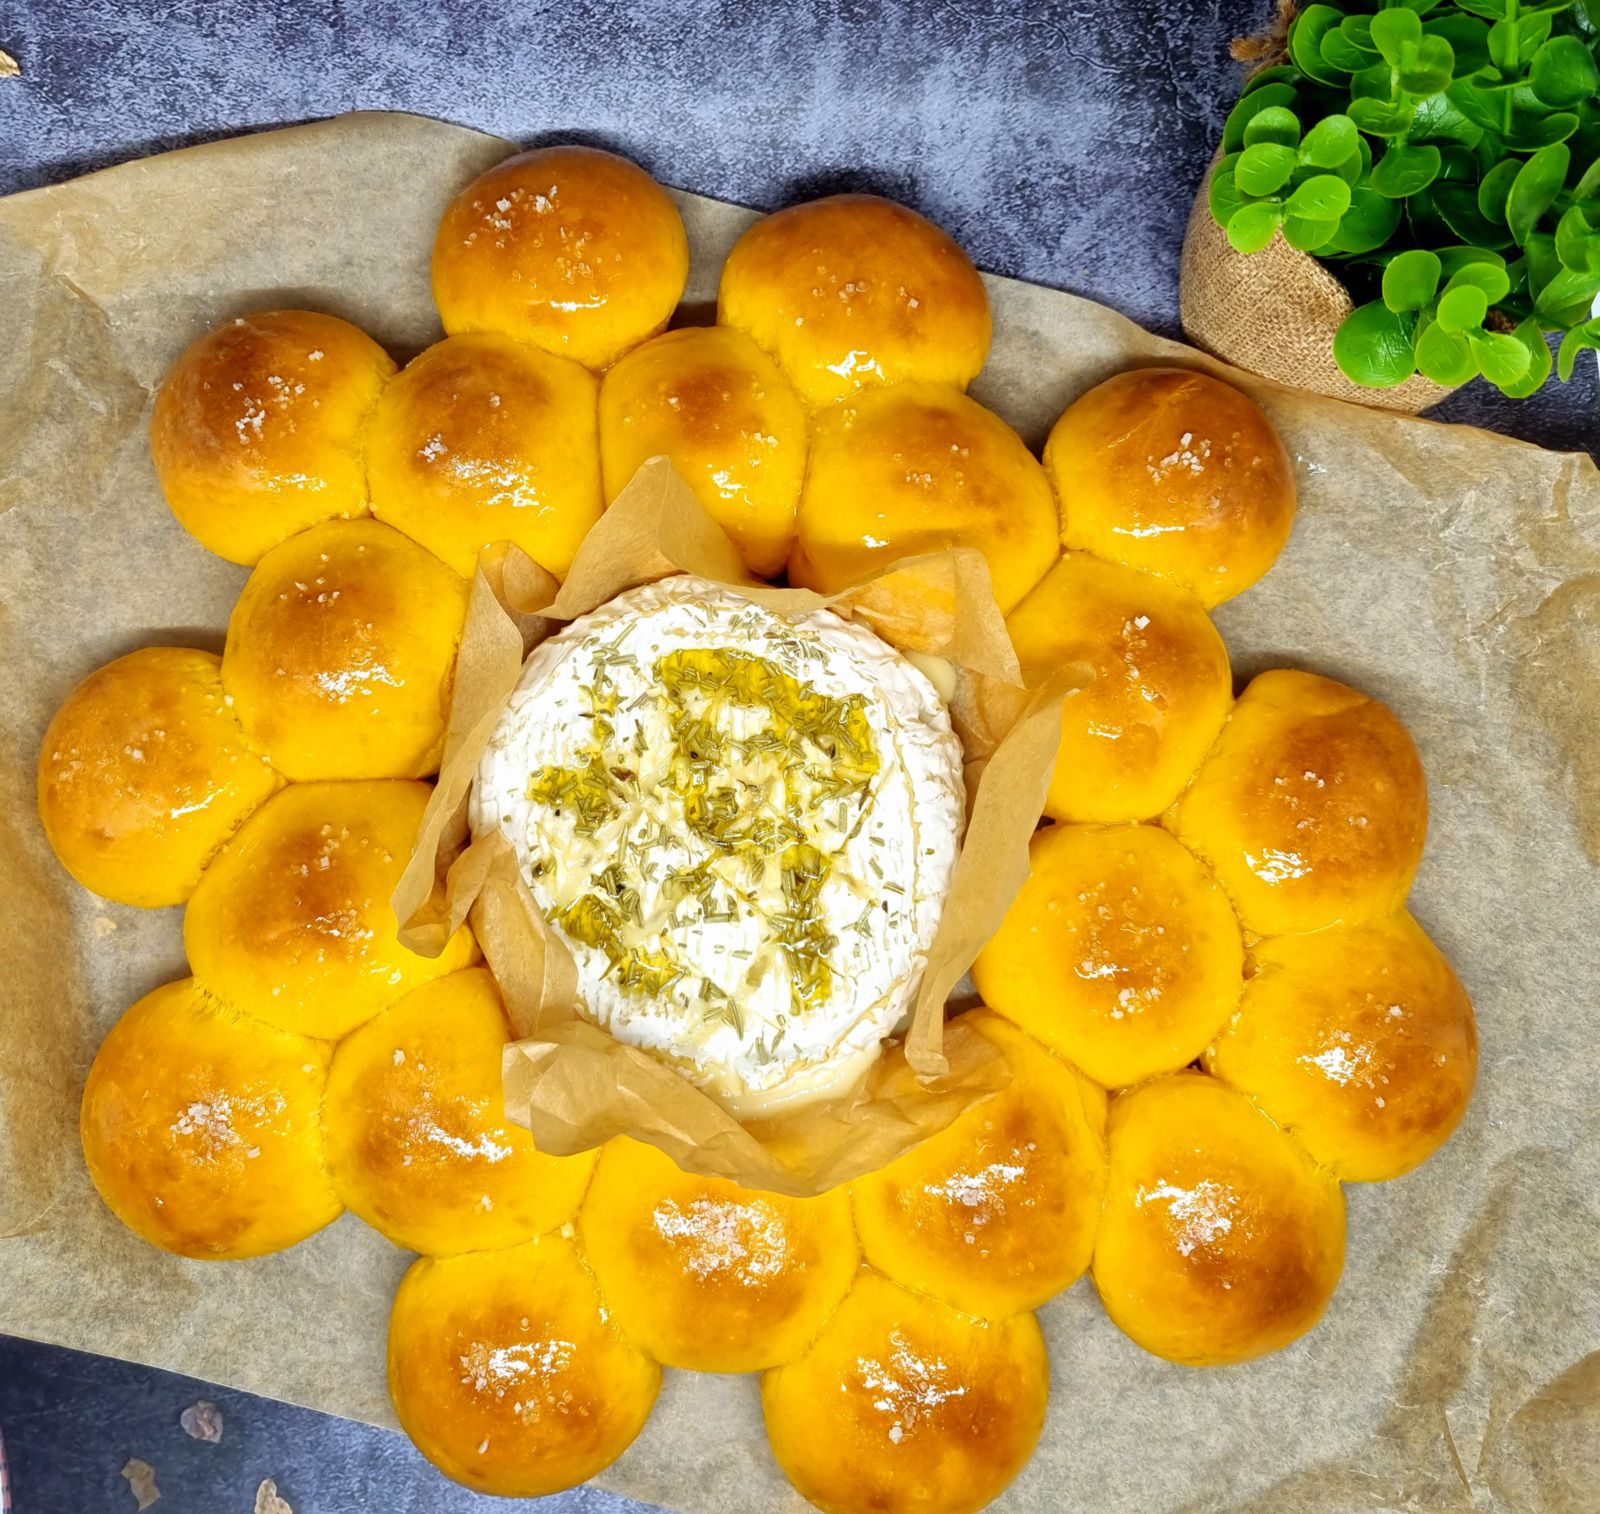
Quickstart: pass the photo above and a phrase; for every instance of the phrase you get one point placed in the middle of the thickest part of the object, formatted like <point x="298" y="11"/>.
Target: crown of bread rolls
<point x="1209" y="1000"/>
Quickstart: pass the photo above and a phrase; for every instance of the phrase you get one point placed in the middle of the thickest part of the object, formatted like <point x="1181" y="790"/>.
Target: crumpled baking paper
<point x="1454" y="574"/>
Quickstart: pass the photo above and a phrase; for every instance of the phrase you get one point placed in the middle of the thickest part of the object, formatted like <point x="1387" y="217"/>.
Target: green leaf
<point x="1392" y="30"/>
<point x="1565" y="297"/>
<point x="1488" y="275"/>
<point x="1584" y="338"/>
<point x="1224" y="194"/>
<point x="1279" y="73"/>
<point x="1368" y="224"/>
<point x="1428" y="70"/>
<point x="1577" y="245"/>
<point x="1501" y="357"/>
<point x="1250" y="106"/>
<point x="1277" y="123"/>
<point x="1494" y="10"/>
<point x="1307" y="234"/>
<point x="1494" y="189"/>
<point x="1534" y="128"/>
<point x="1534" y="189"/>
<point x="1373" y="346"/>
<point x="1588" y="187"/>
<point x="1445" y="357"/>
<point x="1539" y="361"/>
<point x="1410" y="279"/>
<point x="1462" y="308"/>
<point x="1322" y="198"/>
<point x="1332" y="141"/>
<point x="1479" y="105"/>
<point x="1468" y="39"/>
<point x="1403" y="169"/>
<point x="1305" y="43"/>
<point x="1380" y="117"/>
<point x="1251" y="227"/>
<point x="1340" y="54"/>
<point x="1264" y="168"/>
<point x="1503" y="46"/>
<point x="1533" y="27"/>
<point x="1357" y="31"/>
<point x="1563" y="72"/>
<point x="1458" y="209"/>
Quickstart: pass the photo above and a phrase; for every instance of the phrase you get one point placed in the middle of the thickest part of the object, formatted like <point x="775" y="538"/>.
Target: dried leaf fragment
<point x="9" y="67"/>
<point x="142" y="1482"/>
<point x="268" y="1501"/>
<point x="203" y="1420"/>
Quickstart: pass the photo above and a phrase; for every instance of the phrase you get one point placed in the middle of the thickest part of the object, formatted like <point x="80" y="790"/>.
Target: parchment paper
<point x="1453" y="574"/>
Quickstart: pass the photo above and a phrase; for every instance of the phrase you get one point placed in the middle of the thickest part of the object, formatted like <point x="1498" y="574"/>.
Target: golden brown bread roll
<point x="709" y="1276"/>
<point x="506" y="1369"/>
<point x="418" y="1141"/>
<point x="917" y="468"/>
<point x="292" y="921"/>
<point x="144" y="773"/>
<point x="852" y="291"/>
<point x="905" y="1406"/>
<point x="572" y="249"/>
<point x="1120" y="952"/>
<point x="1221" y="1240"/>
<point x="1157" y="685"/>
<point x="201" y="1128"/>
<point x="714" y="403"/>
<point x="256" y="432"/>
<point x="341" y="653"/>
<point x="484" y="439"/>
<point x="1360" y="1039"/>
<point x="1311" y="809"/>
<point x="1176" y="473"/>
<point x="997" y="1212"/>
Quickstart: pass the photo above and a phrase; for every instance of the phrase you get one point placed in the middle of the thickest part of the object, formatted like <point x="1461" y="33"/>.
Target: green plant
<point x="1443" y="157"/>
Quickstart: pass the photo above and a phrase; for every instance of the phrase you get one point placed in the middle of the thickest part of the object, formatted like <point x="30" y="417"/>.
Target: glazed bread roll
<point x="1120" y="952"/>
<point x="1360" y="1039"/>
<point x="1156" y="689"/>
<point x="256" y="432"/>
<point x="905" y="1406"/>
<point x="577" y="251"/>
<point x="997" y="1212"/>
<point x="144" y="773"/>
<point x="917" y="468"/>
<point x="484" y="439"/>
<point x="341" y="653"/>
<point x="853" y="291"/>
<point x="292" y="922"/>
<point x="507" y="1371"/>
<point x="1176" y="473"/>
<point x="709" y="1276"/>
<point x="418" y="1141"/>
<point x="1312" y="807"/>
<point x="201" y="1128"/>
<point x="1221" y="1240"/>
<point x="714" y="403"/>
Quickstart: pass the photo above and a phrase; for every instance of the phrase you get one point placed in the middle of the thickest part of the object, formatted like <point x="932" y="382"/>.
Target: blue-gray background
<point x="1058" y="142"/>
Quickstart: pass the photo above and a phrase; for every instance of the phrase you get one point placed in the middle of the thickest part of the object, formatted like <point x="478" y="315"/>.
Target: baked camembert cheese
<point x="743" y="824"/>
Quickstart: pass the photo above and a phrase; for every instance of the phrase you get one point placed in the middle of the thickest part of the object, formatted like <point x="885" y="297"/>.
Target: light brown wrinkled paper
<point x="1452" y="573"/>
<point x="575" y="1087"/>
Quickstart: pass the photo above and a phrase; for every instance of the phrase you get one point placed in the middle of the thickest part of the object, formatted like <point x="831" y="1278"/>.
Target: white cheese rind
<point x="891" y="847"/>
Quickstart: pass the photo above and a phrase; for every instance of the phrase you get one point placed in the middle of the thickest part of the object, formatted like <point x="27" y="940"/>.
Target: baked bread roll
<point x="1120" y="952"/>
<point x="256" y="431"/>
<point x="483" y="439"/>
<point x="1312" y="807"/>
<point x="507" y="1372"/>
<point x="292" y="922"/>
<point x="1176" y="473"/>
<point x="1158" y="685"/>
<point x="1360" y="1039"/>
<point x="918" y="468"/>
<point x="997" y="1212"/>
<point x="852" y="291"/>
<point x="144" y="773"/>
<point x="709" y="1276"/>
<point x="1221" y="1240"/>
<point x="418" y="1141"/>
<point x="714" y="403"/>
<point x="341" y="653"/>
<point x="577" y="251"/>
<point x="905" y="1406"/>
<point x="201" y="1128"/>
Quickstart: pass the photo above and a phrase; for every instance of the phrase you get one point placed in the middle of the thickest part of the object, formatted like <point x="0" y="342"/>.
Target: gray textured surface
<point x="1060" y="143"/>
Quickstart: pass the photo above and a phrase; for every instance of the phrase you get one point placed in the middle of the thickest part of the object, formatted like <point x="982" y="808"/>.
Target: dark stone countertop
<point x="1059" y="142"/>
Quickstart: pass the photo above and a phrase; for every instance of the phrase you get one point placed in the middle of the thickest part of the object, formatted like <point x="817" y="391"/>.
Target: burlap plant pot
<point x="1274" y="313"/>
